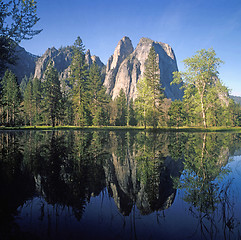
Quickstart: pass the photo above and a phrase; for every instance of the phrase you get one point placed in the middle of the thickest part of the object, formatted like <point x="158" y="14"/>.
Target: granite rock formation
<point x="125" y="67"/>
<point x="122" y="51"/>
<point x="62" y="59"/>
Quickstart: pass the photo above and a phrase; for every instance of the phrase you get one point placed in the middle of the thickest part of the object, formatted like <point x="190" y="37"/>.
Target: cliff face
<point x="122" y="51"/>
<point x="25" y="63"/>
<point x="123" y="70"/>
<point x="124" y="74"/>
<point x="62" y="59"/>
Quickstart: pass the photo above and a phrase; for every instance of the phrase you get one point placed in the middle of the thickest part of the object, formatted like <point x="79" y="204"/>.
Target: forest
<point x="82" y="99"/>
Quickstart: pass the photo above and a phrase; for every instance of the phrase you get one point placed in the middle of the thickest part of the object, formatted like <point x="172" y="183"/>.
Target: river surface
<point x="119" y="185"/>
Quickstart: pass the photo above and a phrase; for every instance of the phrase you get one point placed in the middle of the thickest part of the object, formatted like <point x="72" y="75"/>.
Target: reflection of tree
<point x="63" y="167"/>
<point x="140" y="171"/>
<point x="16" y="185"/>
<point x="205" y="158"/>
<point x="155" y="170"/>
<point x="66" y="170"/>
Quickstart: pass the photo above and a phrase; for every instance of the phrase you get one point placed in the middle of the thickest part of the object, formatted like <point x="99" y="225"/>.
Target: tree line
<point x="82" y="99"/>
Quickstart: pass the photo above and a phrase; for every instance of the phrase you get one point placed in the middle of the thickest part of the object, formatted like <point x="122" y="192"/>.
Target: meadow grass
<point x="119" y="128"/>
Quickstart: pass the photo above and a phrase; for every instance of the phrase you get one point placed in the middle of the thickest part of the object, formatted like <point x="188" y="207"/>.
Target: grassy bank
<point x="121" y="128"/>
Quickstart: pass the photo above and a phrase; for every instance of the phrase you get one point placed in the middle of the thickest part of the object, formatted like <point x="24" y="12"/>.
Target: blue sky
<point x="186" y="25"/>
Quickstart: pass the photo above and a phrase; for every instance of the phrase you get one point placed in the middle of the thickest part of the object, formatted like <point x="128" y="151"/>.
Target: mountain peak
<point x="123" y="49"/>
<point x="126" y="73"/>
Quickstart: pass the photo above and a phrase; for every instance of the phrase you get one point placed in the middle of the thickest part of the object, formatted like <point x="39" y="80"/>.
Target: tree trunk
<point x="203" y="113"/>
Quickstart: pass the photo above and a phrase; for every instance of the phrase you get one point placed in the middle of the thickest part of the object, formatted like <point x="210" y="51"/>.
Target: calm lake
<point x="119" y="185"/>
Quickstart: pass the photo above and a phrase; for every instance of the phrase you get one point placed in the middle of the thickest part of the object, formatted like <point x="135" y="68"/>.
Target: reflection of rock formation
<point x="127" y="188"/>
<point x="121" y="181"/>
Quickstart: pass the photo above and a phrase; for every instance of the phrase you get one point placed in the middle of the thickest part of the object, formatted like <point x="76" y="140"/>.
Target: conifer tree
<point x="152" y="76"/>
<point x="37" y="93"/>
<point x="78" y="82"/>
<point x="67" y="115"/>
<point x="121" y="109"/>
<point x="23" y="84"/>
<point x="143" y="102"/>
<point x="131" y="118"/>
<point x="176" y="114"/>
<point x="28" y="103"/>
<point x="97" y="97"/>
<point x="51" y="95"/>
<point x="11" y="97"/>
<point x="150" y="92"/>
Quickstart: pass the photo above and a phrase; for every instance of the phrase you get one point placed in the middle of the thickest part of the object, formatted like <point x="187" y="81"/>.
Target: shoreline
<point x="125" y="128"/>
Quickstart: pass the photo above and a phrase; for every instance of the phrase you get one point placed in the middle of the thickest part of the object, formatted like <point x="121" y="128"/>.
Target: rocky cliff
<point x="125" y="67"/>
<point x="122" y="51"/>
<point x="25" y="63"/>
<point x="123" y="70"/>
<point x="62" y="59"/>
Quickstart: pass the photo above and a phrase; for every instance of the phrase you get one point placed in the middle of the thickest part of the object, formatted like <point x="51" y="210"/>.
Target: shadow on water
<point x="64" y="184"/>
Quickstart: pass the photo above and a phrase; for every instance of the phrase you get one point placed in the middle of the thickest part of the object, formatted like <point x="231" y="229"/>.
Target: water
<point x="119" y="185"/>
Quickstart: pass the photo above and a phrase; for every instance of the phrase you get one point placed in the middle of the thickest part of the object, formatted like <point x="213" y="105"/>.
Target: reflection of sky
<point x="235" y="176"/>
<point x="102" y="218"/>
<point x="186" y="25"/>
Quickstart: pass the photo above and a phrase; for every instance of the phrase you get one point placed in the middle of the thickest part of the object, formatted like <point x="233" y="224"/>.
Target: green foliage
<point x="11" y="99"/>
<point x="112" y="112"/>
<point x="51" y="95"/>
<point x="7" y="50"/>
<point x="82" y="100"/>
<point x="23" y="16"/>
<point x="150" y="92"/>
<point x="131" y="116"/>
<point x="17" y="19"/>
<point x="23" y="84"/>
<point x="97" y="97"/>
<point x="176" y="114"/>
<point x="28" y="103"/>
<point x="79" y="84"/>
<point x="152" y="75"/>
<point x="66" y="113"/>
<point x="37" y="95"/>
<point x="121" y="102"/>
<point x="143" y="102"/>
<point x="203" y="90"/>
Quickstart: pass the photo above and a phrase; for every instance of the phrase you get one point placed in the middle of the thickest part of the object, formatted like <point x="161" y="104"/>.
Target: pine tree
<point x="121" y="109"/>
<point x="131" y="118"/>
<point x="28" y="103"/>
<point x="11" y="97"/>
<point x="98" y="99"/>
<point x="78" y="82"/>
<point x="67" y="115"/>
<point x="176" y="114"/>
<point x="51" y="95"/>
<point x="152" y="76"/>
<point x="23" y="84"/>
<point x="37" y="92"/>
<point x="143" y="102"/>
